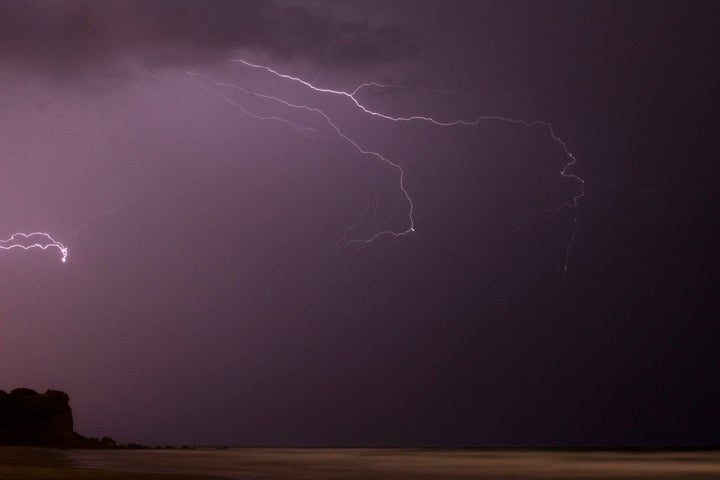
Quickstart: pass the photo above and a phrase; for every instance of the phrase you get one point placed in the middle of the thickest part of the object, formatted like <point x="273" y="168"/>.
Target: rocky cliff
<point x="40" y="419"/>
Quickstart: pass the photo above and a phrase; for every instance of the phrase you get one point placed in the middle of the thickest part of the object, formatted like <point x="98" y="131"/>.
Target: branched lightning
<point x="215" y="87"/>
<point x="35" y="240"/>
<point x="305" y="130"/>
<point x="411" y="221"/>
<point x="44" y="241"/>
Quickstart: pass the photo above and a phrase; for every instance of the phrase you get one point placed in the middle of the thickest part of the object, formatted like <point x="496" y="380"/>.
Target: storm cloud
<point x="60" y="39"/>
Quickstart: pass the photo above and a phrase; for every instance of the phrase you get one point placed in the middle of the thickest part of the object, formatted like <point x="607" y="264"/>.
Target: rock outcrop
<point x="41" y="419"/>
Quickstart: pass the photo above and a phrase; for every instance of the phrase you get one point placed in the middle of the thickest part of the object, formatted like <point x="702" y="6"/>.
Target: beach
<point x="367" y="464"/>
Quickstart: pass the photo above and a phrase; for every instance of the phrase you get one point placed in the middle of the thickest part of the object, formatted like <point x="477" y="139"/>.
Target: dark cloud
<point x="64" y="38"/>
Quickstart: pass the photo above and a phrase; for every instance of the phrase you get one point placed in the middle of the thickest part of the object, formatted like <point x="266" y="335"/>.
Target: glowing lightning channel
<point x="35" y="240"/>
<point x="470" y="123"/>
<point x="352" y="96"/>
<point x="305" y="130"/>
<point x="44" y="241"/>
<point x="334" y="126"/>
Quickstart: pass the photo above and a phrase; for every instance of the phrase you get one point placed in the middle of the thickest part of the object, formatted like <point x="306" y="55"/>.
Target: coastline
<point x="373" y="464"/>
<point x="31" y="463"/>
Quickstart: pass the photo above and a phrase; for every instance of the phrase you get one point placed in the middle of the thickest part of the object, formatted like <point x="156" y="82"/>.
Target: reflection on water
<point x="406" y="464"/>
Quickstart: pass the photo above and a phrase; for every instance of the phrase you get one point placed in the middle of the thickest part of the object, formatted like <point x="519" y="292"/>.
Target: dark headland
<point x="29" y="418"/>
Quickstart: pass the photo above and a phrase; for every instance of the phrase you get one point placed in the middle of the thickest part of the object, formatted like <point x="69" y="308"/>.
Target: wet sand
<point x="406" y="464"/>
<point x="26" y="463"/>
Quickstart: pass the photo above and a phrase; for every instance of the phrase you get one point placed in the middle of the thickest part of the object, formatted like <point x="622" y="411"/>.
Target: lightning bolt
<point x="31" y="241"/>
<point x="573" y="202"/>
<point x="215" y="85"/>
<point x="44" y="241"/>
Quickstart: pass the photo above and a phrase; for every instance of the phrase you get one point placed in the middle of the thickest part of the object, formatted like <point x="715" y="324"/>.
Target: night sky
<point x="208" y="297"/>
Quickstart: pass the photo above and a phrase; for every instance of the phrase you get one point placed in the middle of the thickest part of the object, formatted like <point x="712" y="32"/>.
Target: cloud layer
<point x="65" y="38"/>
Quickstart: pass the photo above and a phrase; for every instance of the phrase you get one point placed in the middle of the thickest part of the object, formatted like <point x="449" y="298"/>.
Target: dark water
<point x="371" y="464"/>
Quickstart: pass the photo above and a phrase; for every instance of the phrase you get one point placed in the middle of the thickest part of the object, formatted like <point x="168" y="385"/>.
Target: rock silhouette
<point x="41" y="419"/>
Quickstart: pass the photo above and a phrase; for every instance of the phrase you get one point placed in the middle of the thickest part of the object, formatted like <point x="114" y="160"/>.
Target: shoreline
<point x="287" y="463"/>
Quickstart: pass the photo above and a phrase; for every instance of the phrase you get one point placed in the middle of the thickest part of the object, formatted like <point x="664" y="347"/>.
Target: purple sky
<point x="206" y="299"/>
